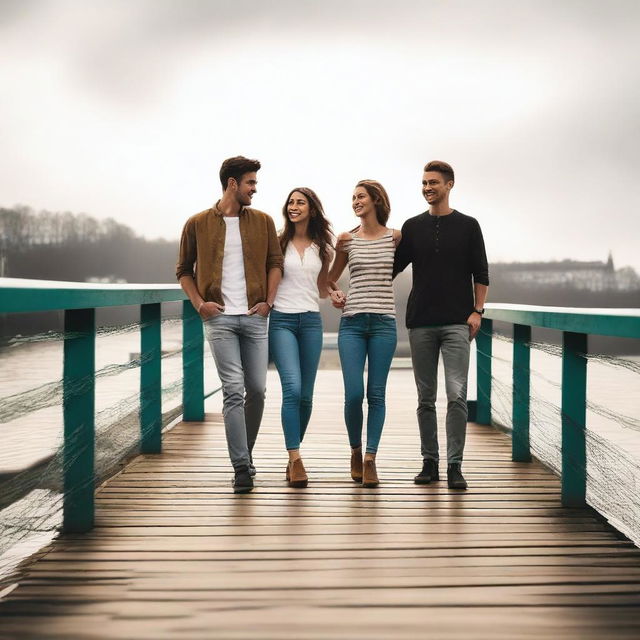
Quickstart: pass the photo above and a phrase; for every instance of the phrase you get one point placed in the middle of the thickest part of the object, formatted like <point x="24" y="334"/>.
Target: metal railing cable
<point x="31" y="499"/>
<point x="612" y="472"/>
<point x="628" y="422"/>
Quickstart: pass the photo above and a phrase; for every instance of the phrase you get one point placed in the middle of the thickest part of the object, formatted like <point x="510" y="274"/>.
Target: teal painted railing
<point x="79" y="302"/>
<point x="576" y="325"/>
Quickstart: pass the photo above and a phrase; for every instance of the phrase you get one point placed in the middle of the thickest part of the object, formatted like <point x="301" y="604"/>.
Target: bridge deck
<point x="176" y="554"/>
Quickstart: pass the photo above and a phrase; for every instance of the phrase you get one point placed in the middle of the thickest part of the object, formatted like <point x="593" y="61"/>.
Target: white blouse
<point x="298" y="290"/>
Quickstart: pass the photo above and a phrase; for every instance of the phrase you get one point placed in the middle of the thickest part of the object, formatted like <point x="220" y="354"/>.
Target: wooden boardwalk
<point x="176" y="555"/>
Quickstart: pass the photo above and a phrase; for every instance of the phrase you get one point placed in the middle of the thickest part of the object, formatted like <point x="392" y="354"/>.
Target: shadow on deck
<point x="176" y="555"/>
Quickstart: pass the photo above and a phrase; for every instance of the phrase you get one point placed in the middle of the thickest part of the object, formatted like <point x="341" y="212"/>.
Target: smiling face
<point x="246" y="188"/>
<point x="362" y="203"/>
<point x="298" y="207"/>
<point x="434" y="189"/>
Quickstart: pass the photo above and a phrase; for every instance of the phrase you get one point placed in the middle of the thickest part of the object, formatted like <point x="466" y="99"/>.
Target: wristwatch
<point x="479" y="311"/>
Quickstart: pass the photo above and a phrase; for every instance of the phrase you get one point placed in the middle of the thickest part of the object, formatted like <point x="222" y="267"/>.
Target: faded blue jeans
<point x="371" y="337"/>
<point x="295" y="343"/>
<point x="427" y="343"/>
<point x="241" y="351"/>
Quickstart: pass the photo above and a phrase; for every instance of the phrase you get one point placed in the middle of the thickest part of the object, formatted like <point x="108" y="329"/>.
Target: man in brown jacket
<point x="230" y="265"/>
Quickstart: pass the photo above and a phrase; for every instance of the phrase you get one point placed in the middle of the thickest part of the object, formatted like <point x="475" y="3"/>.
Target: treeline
<point x="48" y="245"/>
<point x="63" y="246"/>
<point x="21" y="227"/>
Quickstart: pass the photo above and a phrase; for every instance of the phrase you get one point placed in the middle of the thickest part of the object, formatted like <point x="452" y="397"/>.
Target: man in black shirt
<point x="445" y="307"/>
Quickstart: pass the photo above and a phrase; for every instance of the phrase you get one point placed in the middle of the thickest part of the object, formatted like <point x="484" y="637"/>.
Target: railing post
<point x="483" y="363"/>
<point x="520" y="449"/>
<point x="574" y="397"/>
<point x="150" y="379"/>
<point x="192" y="364"/>
<point x="79" y="420"/>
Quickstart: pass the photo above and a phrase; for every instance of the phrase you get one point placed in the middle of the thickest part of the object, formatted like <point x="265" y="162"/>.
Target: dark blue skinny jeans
<point x="295" y="343"/>
<point x="371" y="337"/>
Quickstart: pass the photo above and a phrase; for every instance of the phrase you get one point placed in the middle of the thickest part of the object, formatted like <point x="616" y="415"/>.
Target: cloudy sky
<point x="127" y="108"/>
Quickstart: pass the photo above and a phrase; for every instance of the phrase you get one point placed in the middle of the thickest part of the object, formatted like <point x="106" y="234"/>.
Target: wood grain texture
<point x="176" y="555"/>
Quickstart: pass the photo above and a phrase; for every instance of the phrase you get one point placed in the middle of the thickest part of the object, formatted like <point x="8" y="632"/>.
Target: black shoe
<point x="455" y="479"/>
<point x="429" y="472"/>
<point x="252" y="469"/>
<point x="242" y="482"/>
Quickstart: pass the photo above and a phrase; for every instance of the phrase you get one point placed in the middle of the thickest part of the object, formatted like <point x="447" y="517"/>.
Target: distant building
<point x="591" y="276"/>
<point x="105" y="280"/>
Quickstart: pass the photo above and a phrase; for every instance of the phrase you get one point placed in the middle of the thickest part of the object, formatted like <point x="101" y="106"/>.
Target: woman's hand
<point x="338" y="299"/>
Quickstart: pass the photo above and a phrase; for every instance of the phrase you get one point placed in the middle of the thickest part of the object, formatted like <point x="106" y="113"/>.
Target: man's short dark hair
<point x="441" y="167"/>
<point x="235" y="168"/>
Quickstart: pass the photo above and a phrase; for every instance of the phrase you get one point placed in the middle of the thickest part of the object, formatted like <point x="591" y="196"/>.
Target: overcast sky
<point x="127" y="108"/>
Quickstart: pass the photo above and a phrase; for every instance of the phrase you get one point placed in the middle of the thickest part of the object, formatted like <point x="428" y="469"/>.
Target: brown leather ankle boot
<point x="356" y="464"/>
<point x="370" y="474"/>
<point x="296" y="474"/>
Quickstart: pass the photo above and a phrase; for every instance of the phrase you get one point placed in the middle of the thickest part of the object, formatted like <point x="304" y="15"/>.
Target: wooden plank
<point x="176" y="554"/>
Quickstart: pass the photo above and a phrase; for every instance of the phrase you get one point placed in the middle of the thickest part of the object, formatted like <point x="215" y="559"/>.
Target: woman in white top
<point x="295" y="325"/>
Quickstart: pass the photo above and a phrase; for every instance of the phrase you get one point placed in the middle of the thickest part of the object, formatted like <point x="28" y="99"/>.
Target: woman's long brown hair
<point x="319" y="228"/>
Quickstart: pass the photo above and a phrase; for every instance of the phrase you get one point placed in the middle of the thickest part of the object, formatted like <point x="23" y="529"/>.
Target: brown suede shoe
<point x="296" y="475"/>
<point x="356" y="464"/>
<point x="370" y="475"/>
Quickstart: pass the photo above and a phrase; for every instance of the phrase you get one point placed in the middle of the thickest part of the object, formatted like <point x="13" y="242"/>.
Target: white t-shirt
<point x="234" y="284"/>
<point x="298" y="290"/>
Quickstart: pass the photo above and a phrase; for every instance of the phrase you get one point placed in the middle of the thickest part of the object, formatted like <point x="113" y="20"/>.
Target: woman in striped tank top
<point x="368" y="326"/>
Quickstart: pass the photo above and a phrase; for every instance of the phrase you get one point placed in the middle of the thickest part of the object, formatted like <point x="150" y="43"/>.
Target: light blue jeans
<point x="427" y="343"/>
<point x="241" y="351"/>
<point x="371" y="337"/>
<point x="295" y="343"/>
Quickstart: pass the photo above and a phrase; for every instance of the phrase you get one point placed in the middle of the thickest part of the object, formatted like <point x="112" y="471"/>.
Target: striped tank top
<point x="370" y="275"/>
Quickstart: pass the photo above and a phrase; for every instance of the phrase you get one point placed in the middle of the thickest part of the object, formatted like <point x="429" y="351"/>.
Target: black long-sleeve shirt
<point x="447" y="256"/>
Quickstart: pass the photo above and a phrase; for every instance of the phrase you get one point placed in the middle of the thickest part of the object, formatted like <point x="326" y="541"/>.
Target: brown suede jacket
<point x="202" y="249"/>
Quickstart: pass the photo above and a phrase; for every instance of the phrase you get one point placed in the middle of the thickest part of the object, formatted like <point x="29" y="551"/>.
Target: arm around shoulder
<point x="403" y="254"/>
<point x="341" y="244"/>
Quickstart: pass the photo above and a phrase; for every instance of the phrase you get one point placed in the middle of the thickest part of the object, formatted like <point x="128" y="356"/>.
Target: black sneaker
<point x="242" y="481"/>
<point x="252" y="469"/>
<point x="429" y="472"/>
<point x="455" y="479"/>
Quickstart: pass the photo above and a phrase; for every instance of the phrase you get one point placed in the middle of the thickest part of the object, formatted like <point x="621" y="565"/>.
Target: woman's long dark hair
<point x="319" y="228"/>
